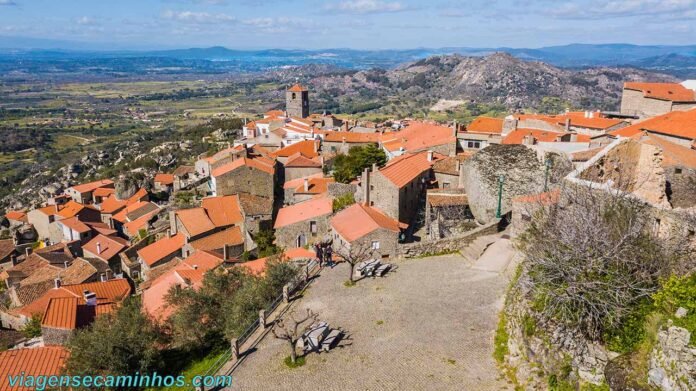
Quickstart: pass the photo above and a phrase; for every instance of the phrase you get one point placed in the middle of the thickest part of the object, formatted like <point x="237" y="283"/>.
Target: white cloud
<point x="7" y="2"/>
<point x="620" y="8"/>
<point x="281" y="24"/>
<point x="367" y="6"/>
<point x="86" y="21"/>
<point x="197" y="17"/>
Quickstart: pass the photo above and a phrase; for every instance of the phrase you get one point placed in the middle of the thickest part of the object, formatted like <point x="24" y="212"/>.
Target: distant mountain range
<point x="679" y="61"/>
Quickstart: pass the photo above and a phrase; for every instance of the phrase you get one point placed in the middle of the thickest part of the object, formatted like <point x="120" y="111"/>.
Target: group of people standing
<point x="324" y="253"/>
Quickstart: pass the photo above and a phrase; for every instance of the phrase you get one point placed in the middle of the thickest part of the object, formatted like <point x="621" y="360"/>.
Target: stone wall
<point x="634" y="103"/>
<point x="286" y="236"/>
<point x="682" y="186"/>
<point x="524" y="172"/>
<point x="300" y="172"/>
<point x="673" y="361"/>
<point x="337" y="189"/>
<point x="453" y="243"/>
<point x="52" y="336"/>
<point x="245" y="180"/>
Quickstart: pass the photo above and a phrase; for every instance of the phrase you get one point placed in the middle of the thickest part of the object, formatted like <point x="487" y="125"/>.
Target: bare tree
<point x="291" y="329"/>
<point x="355" y="253"/>
<point x="592" y="256"/>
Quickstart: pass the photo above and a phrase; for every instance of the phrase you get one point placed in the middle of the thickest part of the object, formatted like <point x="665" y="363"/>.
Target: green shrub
<point x="679" y="292"/>
<point x="528" y="325"/>
<point x="501" y="340"/>
<point x="300" y="361"/>
<point x="343" y="201"/>
<point x="33" y="328"/>
<point x="631" y="333"/>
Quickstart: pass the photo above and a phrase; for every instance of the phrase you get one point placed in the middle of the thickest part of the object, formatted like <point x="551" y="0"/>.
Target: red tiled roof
<point x="223" y="211"/>
<point x="41" y="361"/>
<point x="195" y="220"/>
<point x="359" y="220"/>
<point x="112" y="205"/>
<point x="577" y="119"/>
<point x="7" y="247"/>
<point x="352" y="137"/>
<point x="672" y="154"/>
<point x="303" y="211"/>
<point x="258" y="266"/>
<point x="241" y="162"/>
<point x="132" y="228"/>
<point x="49" y="210"/>
<point x="419" y="135"/>
<point x="680" y="124"/>
<point x="297" y="88"/>
<point x="74" y="224"/>
<point x="275" y="113"/>
<point x="297" y="160"/>
<point x="316" y="185"/>
<point x="517" y="136"/>
<point x="485" y="125"/>
<point x="189" y="272"/>
<point x="165" y="179"/>
<point x="293" y="183"/>
<point x="16" y="215"/>
<point x="104" y="191"/>
<point x="70" y="209"/>
<point x="307" y="148"/>
<point x="91" y="186"/>
<point x="135" y="210"/>
<point x="231" y="236"/>
<point x="674" y="92"/>
<point x="403" y="169"/>
<point x="161" y="249"/>
<point x="110" y="246"/>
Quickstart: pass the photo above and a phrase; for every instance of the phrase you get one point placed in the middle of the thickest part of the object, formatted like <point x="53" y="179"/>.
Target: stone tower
<point x="297" y="101"/>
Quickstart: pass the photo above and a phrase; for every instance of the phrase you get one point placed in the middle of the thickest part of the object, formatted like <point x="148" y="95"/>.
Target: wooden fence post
<point x="262" y="319"/>
<point x="286" y="293"/>
<point x="234" y="346"/>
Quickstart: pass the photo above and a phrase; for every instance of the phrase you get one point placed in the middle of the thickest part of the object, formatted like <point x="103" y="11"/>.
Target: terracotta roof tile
<point x="109" y="246"/>
<point x="418" y="136"/>
<point x="672" y="154"/>
<point x="74" y="224"/>
<point x="445" y="199"/>
<point x="195" y="220"/>
<point x="7" y="247"/>
<point x="252" y="205"/>
<point x="16" y="215"/>
<point x="91" y="186"/>
<point x="231" y="236"/>
<point x="162" y="248"/>
<point x="303" y="211"/>
<point x="294" y="183"/>
<point x="184" y="170"/>
<point x="223" y="211"/>
<point x="352" y="137"/>
<point x="307" y="148"/>
<point x="517" y="136"/>
<point x="297" y="88"/>
<point x="112" y="291"/>
<point x="297" y="160"/>
<point x="485" y="125"/>
<point x="674" y="92"/>
<point x="258" y="266"/>
<point x="70" y="209"/>
<point x="165" y="179"/>
<point x="104" y="192"/>
<point x="359" y="220"/>
<point x="243" y="162"/>
<point x="403" y="169"/>
<point x="316" y="186"/>
<point x="41" y="361"/>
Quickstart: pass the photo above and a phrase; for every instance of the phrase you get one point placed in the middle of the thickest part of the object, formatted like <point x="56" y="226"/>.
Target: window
<point x="372" y="203"/>
<point x="656" y="227"/>
<point x="445" y="185"/>
<point x="294" y="95"/>
<point x="313" y="228"/>
<point x="375" y="245"/>
<point x="677" y="171"/>
<point x="473" y="144"/>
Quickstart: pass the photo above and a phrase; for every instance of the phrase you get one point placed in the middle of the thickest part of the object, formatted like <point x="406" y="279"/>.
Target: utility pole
<point x="501" y="179"/>
<point x="546" y="174"/>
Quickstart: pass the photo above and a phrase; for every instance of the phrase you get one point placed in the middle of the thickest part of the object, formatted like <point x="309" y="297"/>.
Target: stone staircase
<point x="473" y="251"/>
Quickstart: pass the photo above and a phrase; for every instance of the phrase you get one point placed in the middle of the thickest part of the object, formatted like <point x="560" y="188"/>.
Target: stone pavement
<point x="428" y="325"/>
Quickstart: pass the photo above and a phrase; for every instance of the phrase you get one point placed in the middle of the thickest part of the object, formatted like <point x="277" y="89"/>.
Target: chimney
<point x="374" y="167"/>
<point x="109" y="274"/>
<point x="528" y="140"/>
<point x="65" y="264"/>
<point x="454" y="125"/>
<point x="345" y="126"/>
<point x="13" y="259"/>
<point x="366" y="186"/>
<point x="343" y="140"/>
<point x="195" y="267"/>
<point x="99" y="248"/>
<point x="315" y="144"/>
<point x="56" y="283"/>
<point x="90" y="298"/>
<point x="102" y="277"/>
<point x="567" y="125"/>
<point x="172" y="222"/>
<point x="27" y="251"/>
<point x="430" y="156"/>
<point x="169" y="233"/>
<point x="574" y="137"/>
<point x="306" y="185"/>
<point x="225" y="254"/>
<point x="458" y="165"/>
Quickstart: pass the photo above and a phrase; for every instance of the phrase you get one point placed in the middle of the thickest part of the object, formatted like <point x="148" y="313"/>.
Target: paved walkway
<point x="428" y="325"/>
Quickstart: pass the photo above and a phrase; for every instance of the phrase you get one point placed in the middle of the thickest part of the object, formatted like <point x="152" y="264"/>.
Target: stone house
<point x="229" y="243"/>
<point x="397" y="188"/>
<point x="183" y="176"/>
<point x="106" y="249"/>
<point x="645" y="100"/>
<point x="306" y="148"/>
<point x="480" y="133"/>
<point x="678" y="127"/>
<point x="160" y="252"/>
<point x="8" y="254"/>
<point x="257" y="212"/>
<point x="299" y="166"/>
<point x="82" y="194"/>
<point x="303" y="189"/>
<point x="303" y="224"/>
<point x="16" y="218"/>
<point x="448" y="171"/>
<point x="297" y="101"/>
<point x="204" y="166"/>
<point x="254" y="176"/>
<point x="163" y="182"/>
<point x="362" y="225"/>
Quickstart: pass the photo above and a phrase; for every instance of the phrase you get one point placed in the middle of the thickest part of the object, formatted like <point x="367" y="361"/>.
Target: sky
<point x="358" y="24"/>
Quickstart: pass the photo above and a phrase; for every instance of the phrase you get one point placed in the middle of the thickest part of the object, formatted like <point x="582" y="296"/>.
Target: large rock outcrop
<point x="673" y="361"/>
<point x="524" y="171"/>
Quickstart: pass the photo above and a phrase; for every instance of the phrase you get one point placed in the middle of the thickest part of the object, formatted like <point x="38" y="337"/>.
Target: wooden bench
<point x="330" y="340"/>
<point x="383" y="269"/>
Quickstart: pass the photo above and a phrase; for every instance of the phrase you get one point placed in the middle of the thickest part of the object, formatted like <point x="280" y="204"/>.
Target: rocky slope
<point x="498" y="78"/>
